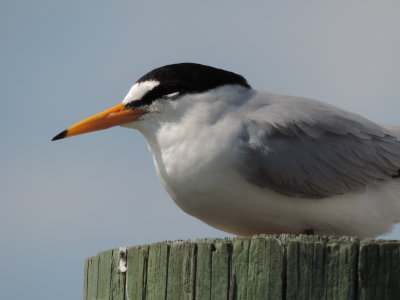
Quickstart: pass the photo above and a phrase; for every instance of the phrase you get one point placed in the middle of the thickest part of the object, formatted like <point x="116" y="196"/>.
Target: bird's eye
<point x="172" y="95"/>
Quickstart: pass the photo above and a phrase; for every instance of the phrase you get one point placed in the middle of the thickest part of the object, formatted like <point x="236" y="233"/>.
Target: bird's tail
<point x="394" y="129"/>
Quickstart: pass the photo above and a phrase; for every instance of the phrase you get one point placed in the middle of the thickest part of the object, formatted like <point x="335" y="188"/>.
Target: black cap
<point x="185" y="78"/>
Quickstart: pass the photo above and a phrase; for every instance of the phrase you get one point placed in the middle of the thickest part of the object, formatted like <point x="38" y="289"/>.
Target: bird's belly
<point x="243" y="209"/>
<point x="230" y="204"/>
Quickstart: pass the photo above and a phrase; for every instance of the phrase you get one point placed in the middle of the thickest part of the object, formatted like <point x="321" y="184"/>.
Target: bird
<point x="248" y="161"/>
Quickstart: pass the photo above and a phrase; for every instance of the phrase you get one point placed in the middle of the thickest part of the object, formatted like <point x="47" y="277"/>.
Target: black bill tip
<point x="60" y="136"/>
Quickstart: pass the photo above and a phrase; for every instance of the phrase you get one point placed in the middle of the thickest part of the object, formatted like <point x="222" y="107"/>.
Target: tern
<point x="248" y="162"/>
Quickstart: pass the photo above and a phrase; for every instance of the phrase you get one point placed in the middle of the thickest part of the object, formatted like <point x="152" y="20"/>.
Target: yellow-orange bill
<point x="112" y="117"/>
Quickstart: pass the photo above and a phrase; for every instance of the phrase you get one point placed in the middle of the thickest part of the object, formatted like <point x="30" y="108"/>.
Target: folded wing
<point x="305" y="148"/>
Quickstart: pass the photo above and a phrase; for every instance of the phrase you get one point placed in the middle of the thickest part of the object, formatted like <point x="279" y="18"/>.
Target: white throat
<point x="189" y="136"/>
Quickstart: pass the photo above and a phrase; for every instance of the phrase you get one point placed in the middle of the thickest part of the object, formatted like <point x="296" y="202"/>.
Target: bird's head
<point x="168" y="83"/>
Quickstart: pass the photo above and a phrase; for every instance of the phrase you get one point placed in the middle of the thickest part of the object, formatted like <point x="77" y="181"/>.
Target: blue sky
<point x="62" y="61"/>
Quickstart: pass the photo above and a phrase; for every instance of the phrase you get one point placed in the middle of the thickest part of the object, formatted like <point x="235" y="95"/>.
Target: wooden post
<point x="261" y="267"/>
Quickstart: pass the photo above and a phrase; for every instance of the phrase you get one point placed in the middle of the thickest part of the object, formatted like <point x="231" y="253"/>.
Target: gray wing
<point x="305" y="148"/>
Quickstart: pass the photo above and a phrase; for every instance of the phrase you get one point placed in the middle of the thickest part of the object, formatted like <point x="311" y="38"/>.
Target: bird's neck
<point x="190" y="134"/>
<point x="186" y="119"/>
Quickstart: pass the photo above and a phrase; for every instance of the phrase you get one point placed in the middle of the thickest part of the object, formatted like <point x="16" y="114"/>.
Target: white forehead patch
<point x="138" y="90"/>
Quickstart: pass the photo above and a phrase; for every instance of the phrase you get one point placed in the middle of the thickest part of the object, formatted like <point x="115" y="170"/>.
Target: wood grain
<point x="260" y="267"/>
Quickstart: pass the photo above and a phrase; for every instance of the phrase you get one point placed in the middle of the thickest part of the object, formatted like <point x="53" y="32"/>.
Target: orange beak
<point x="112" y="117"/>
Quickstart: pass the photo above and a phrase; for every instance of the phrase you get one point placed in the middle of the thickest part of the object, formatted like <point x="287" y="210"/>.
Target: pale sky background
<point x="62" y="61"/>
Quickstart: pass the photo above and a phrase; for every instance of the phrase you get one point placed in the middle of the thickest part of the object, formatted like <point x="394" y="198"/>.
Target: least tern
<point x="247" y="161"/>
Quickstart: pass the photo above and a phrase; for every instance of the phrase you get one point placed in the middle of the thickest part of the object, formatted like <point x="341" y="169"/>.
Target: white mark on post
<point x="122" y="260"/>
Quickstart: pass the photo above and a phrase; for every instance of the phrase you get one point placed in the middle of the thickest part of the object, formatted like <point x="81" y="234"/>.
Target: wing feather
<point x="305" y="148"/>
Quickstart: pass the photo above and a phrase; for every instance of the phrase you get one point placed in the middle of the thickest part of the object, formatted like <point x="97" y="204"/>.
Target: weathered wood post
<point x="261" y="267"/>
